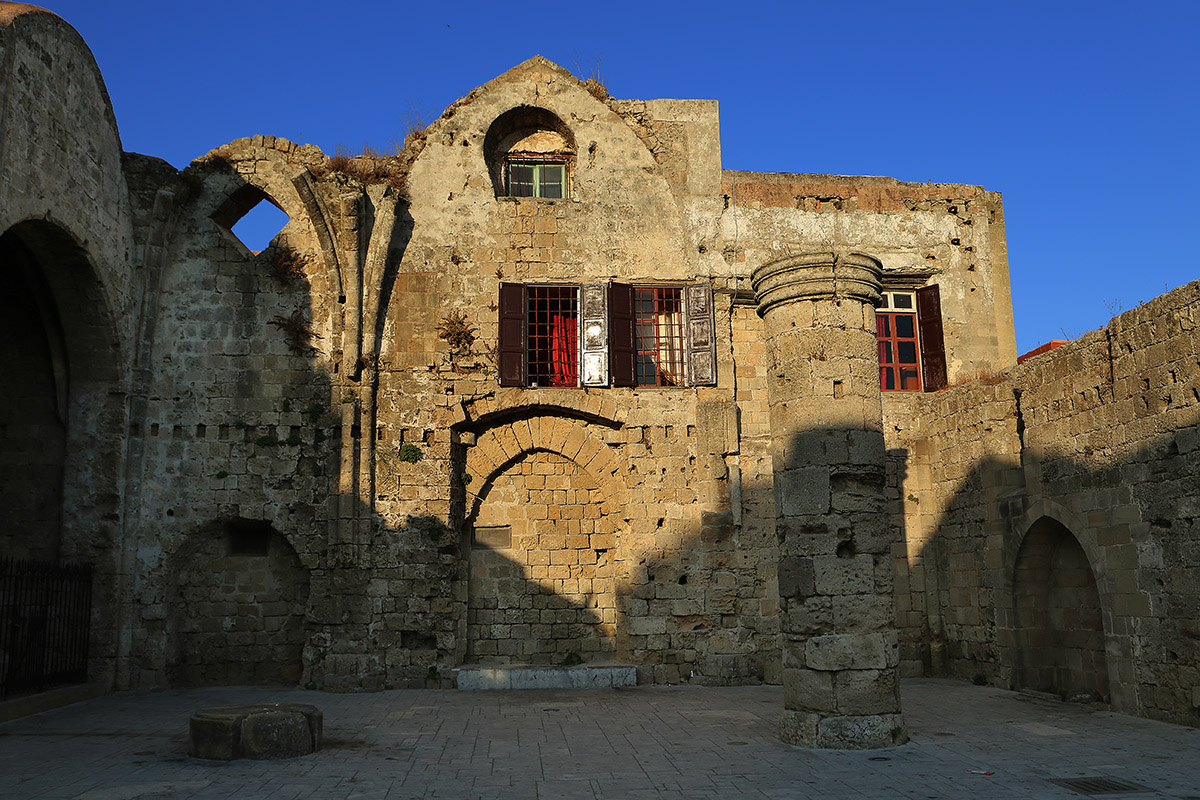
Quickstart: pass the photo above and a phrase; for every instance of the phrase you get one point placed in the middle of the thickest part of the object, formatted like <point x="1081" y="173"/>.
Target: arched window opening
<point x="530" y="153"/>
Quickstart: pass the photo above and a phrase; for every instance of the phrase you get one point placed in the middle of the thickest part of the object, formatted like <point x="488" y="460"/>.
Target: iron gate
<point x="45" y="612"/>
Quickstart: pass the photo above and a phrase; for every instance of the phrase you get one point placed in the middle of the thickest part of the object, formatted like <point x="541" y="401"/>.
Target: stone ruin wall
<point x="1101" y="437"/>
<point x="65" y="211"/>
<point x="238" y="426"/>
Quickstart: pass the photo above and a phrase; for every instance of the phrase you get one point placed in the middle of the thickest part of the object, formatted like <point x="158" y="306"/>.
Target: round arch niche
<point x="528" y="135"/>
<point x="1059" y="633"/>
<point x="238" y="604"/>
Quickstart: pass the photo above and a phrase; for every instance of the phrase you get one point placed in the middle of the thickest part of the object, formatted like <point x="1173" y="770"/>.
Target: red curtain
<point x="564" y="351"/>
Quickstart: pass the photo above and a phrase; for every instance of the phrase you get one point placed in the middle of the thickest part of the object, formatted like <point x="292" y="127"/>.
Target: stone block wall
<point x="1098" y="438"/>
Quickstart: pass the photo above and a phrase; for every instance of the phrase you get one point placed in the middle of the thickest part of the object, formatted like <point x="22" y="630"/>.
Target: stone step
<point x="483" y="677"/>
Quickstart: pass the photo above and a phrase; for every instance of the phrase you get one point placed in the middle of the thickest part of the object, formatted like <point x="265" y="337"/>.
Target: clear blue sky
<point x="1083" y="114"/>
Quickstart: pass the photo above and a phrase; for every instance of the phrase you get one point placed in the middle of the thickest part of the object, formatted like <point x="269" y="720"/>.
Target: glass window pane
<point x="908" y="379"/>
<point x="883" y="324"/>
<point x="550" y="182"/>
<point x="902" y="301"/>
<point x="905" y="327"/>
<point x="907" y="352"/>
<point x="885" y="353"/>
<point x="520" y="180"/>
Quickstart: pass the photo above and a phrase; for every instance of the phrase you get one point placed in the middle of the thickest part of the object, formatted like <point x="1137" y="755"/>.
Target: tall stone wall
<point x="1100" y="439"/>
<point x="65" y="223"/>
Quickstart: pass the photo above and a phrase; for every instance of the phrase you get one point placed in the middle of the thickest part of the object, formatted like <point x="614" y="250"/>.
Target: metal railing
<point x="45" y="611"/>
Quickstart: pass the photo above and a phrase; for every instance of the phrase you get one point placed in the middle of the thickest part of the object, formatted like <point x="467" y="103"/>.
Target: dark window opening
<point x="552" y="331"/>
<point x="659" y="336"/>
<point x="494" y="537"/>
<point x="248" y="537"/>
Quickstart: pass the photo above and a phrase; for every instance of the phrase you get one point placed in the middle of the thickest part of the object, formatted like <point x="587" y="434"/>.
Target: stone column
<point x="837" y="607"/>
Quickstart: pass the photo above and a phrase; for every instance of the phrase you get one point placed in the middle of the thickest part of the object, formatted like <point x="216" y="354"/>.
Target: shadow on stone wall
<point x="1070" y="575"/>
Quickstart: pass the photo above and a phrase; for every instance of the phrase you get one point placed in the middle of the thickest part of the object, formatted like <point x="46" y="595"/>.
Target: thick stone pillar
<point x="837" y="607"/>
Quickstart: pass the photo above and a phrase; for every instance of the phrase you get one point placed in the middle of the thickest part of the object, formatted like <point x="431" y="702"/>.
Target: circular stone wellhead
<point x="259" y="731"/>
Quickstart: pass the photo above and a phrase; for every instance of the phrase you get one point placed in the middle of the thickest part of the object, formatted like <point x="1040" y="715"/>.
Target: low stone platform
<point x="488" y="677"/>
<point x="261" y="731"/>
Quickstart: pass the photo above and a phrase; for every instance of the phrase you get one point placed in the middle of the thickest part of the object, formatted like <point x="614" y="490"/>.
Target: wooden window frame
<point x="538" y="164"/>
<point x="650" y="338"/>
<point x="606" y="343"/>
<point x="928" y="369"/>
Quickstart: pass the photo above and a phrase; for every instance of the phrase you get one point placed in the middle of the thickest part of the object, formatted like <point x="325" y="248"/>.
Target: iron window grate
<point x="1099" y="785"/>
<point x="659" y="335"/>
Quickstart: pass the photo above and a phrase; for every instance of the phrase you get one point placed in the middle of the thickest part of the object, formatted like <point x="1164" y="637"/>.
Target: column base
<point x="868" y="732"/>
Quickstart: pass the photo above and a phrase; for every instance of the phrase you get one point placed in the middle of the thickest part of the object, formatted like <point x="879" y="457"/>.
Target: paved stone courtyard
<point x="647" y="742"/>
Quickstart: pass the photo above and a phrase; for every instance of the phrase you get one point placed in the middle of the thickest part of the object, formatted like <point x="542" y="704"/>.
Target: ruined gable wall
<point x="1100" y="436"/>
<point x="691" y="586"/>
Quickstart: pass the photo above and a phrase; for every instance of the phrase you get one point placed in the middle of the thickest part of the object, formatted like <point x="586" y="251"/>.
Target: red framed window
<point x="899" y="347"/>
<point x="658" y="335"/>
<point x="552" y="331"/>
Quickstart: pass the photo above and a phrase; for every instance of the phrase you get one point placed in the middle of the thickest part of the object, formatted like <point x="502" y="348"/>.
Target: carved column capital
<point x="814" y="276"/>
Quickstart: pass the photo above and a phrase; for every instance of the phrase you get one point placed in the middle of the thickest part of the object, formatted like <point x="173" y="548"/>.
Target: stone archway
<point x="33" y="408"/>
<point x="1059" y="622"/>
<point x="237" y="607"/>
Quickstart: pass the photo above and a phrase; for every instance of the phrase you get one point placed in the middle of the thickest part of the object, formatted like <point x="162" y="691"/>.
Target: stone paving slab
<point x="647" y="742"/>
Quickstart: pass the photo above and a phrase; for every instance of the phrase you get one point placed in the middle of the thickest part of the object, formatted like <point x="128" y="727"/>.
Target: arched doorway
<point x="1059" y="631"/>
<point x="541" y="566"/>
<point x="33" y="408"/>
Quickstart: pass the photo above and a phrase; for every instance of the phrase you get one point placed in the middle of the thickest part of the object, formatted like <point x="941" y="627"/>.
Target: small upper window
<point x="527" y="177"/>
<point x="896" y="325"/>
<point x="530" y="153"/>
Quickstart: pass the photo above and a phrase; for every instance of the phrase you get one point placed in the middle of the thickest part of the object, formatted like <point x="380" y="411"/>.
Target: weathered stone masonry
<point x="286" y="466"/>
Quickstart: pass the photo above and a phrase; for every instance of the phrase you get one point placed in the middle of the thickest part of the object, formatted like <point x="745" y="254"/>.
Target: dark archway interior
<point x="1060" y="630"/>
<point x="33" y="408"/>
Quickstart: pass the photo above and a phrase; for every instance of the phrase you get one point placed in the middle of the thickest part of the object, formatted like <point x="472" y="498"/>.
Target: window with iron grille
<point x="606" y="335"/>
<point x="527" y="176"/>
<point x="552" y="335"/>
<point x="908" y="329"/>
<point x="658" y="332"/>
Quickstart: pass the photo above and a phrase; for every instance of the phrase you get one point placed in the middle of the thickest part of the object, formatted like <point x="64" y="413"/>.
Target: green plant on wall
<point x="456" y="332"/>
<point x="410" y="453"/>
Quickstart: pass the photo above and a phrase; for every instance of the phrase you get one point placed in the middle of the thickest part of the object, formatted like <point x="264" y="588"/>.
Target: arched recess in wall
<point x="530" y="152"/>
<point x="1058" y="631"/>
<point x="237" y="607"/>
<point x="542" y="546"/>
<point x="61" y="408"/>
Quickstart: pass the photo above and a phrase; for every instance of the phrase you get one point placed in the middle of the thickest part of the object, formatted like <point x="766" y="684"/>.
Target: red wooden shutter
<point x="701" y="344"/>
<point x="933" y="346"/>
<point x="511" y="350"/>
<point x="622" y="352"/>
